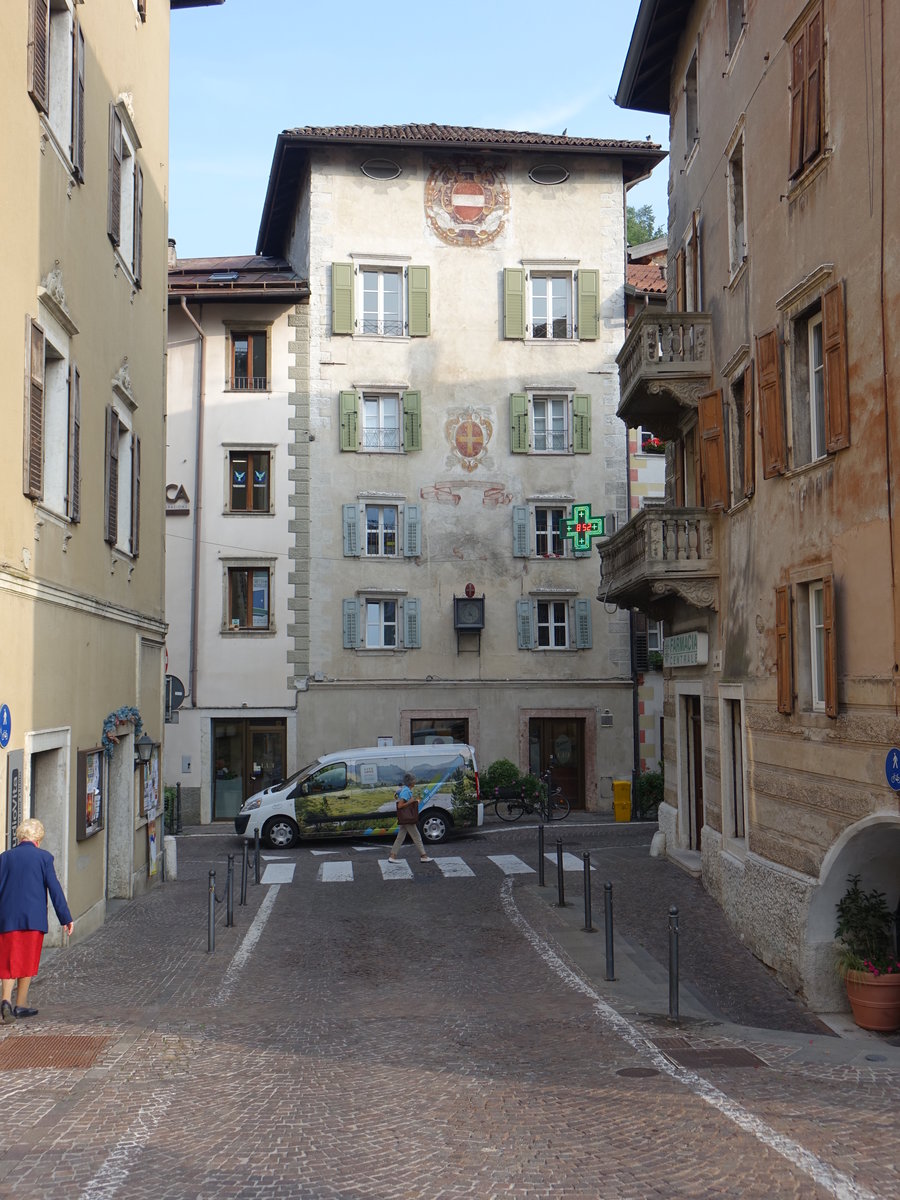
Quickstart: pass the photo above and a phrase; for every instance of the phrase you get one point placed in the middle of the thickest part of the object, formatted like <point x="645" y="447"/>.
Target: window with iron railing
<point x="249" y="362"/>
<point x="381" y="529"/>
<point x="381" y="422"/>
<point x="382" y="302"/>
<point x="551" y="307"/>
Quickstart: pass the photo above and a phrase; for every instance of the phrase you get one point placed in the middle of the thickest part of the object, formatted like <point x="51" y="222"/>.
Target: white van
<point x="352" y="793"/>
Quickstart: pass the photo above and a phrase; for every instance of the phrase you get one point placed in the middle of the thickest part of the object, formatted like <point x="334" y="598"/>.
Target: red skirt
<point x="20" y="953"/>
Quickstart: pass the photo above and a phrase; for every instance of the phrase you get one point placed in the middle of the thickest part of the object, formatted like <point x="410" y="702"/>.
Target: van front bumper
<point x="241" y="821"/>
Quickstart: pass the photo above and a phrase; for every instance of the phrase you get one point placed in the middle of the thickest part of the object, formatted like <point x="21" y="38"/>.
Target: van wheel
<point x="280" y="832"/>
<point x="434" y="826"/>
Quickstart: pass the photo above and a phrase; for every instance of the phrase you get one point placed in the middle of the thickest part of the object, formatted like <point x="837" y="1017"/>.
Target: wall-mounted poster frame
<point x="148" y="785"/>
<point x="90" y="806"/>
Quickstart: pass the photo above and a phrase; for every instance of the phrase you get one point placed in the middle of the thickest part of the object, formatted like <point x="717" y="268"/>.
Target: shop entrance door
<point x="249" y="755"/>
<point x="558" y="743"/>
<point x="693" y="732"/>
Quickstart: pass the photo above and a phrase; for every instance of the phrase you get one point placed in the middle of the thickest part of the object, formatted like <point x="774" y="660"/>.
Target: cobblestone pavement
<point x="433" y="1037"/>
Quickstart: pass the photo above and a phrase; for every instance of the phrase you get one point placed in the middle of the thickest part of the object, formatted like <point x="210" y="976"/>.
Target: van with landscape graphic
<point x="352" y="793"/>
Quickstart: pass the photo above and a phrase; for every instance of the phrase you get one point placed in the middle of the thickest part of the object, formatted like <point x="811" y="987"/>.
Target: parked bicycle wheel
<point x="559" y="808"/>
<point x="509" y="810"/>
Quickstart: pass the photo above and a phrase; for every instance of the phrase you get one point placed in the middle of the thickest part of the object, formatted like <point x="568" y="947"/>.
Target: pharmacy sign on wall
<point x="686" y="650"/>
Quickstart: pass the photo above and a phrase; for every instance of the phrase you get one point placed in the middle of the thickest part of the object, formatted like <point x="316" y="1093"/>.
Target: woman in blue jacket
<point x="26" y="878"/>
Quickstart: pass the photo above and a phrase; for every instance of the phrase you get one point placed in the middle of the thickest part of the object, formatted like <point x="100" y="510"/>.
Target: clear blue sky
<point x="243" y="72"/>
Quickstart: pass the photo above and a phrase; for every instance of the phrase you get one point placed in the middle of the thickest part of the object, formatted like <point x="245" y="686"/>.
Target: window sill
<point x="572" y="341"/>
<point x="739" y="274"/>
<point x="243" y="512"/>
<point x="806" y="468"/>
<point x="125" y="268"/>
<point x="808" y="176"/>
<point x="382" y="337"/>
<point x="228" y="631"/>
<point x="48" y="136"/>
<point x="239" y="391"/>
<point x="383" y="651"/>
<point x="736" y="849"/>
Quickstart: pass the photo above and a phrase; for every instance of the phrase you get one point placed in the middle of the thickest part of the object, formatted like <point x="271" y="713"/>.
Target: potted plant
<point x="866" y="958"/>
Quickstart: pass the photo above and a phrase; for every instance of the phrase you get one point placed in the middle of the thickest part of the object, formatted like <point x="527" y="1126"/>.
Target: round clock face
<point x="470" y="613"/>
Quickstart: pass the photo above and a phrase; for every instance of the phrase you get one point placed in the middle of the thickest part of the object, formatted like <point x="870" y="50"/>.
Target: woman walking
<point x="407" y="821"/>
<point x="26" y="878"/>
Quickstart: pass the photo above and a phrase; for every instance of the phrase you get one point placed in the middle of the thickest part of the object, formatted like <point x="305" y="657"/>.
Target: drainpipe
<point x="198" y="482"/>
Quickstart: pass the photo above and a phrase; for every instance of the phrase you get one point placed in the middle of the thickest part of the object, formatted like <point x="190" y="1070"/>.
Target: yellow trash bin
<point x="622" y="799"/>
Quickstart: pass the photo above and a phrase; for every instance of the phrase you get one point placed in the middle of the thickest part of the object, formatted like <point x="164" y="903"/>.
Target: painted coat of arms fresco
<point x="468" y="435"/>
<point x="466" y="205"/>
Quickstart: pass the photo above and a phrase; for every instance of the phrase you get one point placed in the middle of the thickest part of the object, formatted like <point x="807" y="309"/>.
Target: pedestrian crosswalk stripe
<point x="278" y="872"/>
<point x="453" y="867"/>
<point x="394" y="870"/>
<point x="511" y="864"/>
<point x="336" y="872"/>
<point x="571" y="862"/>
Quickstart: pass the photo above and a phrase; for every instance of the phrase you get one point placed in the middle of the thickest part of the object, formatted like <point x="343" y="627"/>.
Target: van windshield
<point x="302" y="773"/>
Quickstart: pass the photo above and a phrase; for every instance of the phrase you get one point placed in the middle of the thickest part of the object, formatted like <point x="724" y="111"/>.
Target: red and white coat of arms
<point x="468" y="435"/>
<point x="466" y="205"/>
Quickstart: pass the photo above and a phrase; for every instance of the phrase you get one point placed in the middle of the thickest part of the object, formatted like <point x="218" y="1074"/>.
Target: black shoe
<point x="7" y="1016"/>
<point x="23" y="1012"/>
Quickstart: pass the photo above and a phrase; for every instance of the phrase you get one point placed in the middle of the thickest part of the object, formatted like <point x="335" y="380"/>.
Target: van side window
<point x="332" y="778"/>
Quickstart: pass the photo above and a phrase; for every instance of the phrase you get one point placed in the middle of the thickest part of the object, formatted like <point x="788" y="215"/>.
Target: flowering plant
<point x="865" y="930"/>
<point x="653" y="445"/>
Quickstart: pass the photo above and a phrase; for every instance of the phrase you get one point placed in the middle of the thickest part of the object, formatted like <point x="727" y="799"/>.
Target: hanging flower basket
<point x="122" y="716"/>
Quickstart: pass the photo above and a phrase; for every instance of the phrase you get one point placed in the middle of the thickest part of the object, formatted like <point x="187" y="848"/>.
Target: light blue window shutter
<point x="524" y="623"/>
<point x="514" y="302"/>
<point x="418" y="279"/>
<point x="584" y="639"/>
<point x="518" y="423"/>
<point x="581" y="436"/>
<point x="349" y="421"/>
<point x="412" y="626"/>
<point x="520" y="531"/>
<point x="351" y="624"/>
<point x="412" y="531"/>
<point x="588" y="305"/>
<point x="342" y="297"/>
<point x="352" y="547"/>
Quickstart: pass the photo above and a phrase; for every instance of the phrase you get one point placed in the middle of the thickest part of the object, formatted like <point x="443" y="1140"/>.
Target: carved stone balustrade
<point x="664" y="367"/>
<point x="661" y="557"/>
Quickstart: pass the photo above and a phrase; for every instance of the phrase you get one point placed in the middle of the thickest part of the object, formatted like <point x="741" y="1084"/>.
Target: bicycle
<point x="511" y="803"/>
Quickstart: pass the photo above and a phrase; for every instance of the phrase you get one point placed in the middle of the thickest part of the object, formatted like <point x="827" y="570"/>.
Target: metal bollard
<point x="540" y="855"/>
<point x="211" y="933"/>
<point x="673" y="963"/>
<point x="229" y="892"/>
<point x="244" y="872"/>
<point x="256" y="857"/>
<point x="608" y="921"/>
<point x="588" y="924"/>
<point x="560" y="881"/>
<point x="178" y="827"/>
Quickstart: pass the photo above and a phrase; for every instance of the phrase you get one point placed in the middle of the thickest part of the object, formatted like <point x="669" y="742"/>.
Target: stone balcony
<point x="664" y="368"/>
<point x="661" y="557"/>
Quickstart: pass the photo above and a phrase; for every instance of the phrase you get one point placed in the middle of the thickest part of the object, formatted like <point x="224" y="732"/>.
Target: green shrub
<point x="648" y="794"/>
<point x="501" y="773"/>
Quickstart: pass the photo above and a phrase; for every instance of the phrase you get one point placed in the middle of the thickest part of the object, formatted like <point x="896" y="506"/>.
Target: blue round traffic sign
<point x="892" y="768"/>
<point x="5" y="725"/>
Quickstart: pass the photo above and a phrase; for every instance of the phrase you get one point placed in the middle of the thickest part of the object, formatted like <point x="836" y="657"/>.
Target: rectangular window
<point x="816" y="369"/>
<point x="737" y="240"/>
<point x="381" y="530"/>
<point x="808" y="387"/>
<point x="122" y="477"/>
<point x="735" y="22"/>
<point x="807" y="93"/>
<point x="654" y="637"/>
<point x="56" y="76"/>
<point x="437" y="730"/>
<point x="249" y="480"/>
<point x="552" y="624"/>
<point x="248" y="598"/>
<point x="551" y="306"/>
<point x="734" y="439"/>
<point x="381" y="421"/>
<point x="548" y="542"/>
<point x="126" y="191"/>
<point x="550" y="424"/>
<point x="381" y="624"/>
<point x="731" y="748"/>
<point x="817" y="645"/>
<point x="691" y="108"/>
<point x="249" y="361"/>
<point x="382" y="302"/>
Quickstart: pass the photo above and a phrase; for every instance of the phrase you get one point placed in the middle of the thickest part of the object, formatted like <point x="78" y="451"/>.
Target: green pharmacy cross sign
<point x="582" y="527"/>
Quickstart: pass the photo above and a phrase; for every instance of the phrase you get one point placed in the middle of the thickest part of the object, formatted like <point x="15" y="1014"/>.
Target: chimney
<point x="172" y="259"/>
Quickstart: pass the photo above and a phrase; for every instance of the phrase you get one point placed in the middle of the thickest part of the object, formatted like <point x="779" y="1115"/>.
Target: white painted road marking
<point x="397" y="870"/>
<point x="112" y="1175"/>
<point x="336" y="872"/>
<point x="511" y="864"/>
<point x="454" y="867"/>
<point x="251" y="937"/>
<point x="279" y="872"/>
<point x="571" y="862"/>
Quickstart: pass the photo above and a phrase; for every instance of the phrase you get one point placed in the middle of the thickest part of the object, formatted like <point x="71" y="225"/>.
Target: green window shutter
<point x="412" y="531"/>
<point x="588" y="305"/>
<point x="351" y="624"/>
<point x="524" y="624"/>
<point x="520" y="531"/>
<point x="342" y="297"/>
<point x="518" y="423"/>
<point x="581" y="435"/>
<point x="584" y="639"/>
<point x="412" y="625"/>
<point x="349" y="421"/>
<point x="412" y="421"/>
<point x="419" y="280"/>
<point x="73" y="494"/>
<point x="514" y="302"/>
<point x="351" y="530"/>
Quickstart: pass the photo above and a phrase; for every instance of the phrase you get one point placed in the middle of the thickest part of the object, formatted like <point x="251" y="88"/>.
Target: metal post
<point x="256" y="857"/>
<point x="560" y="882"/>
<point x="244" y="871"/>
<point x="229" y="892"/>
<point x="897" y="930"/>
<point x="178" y="808"/>
<point x="588" y="925"/>
<point x="673" y="963"/>
<point x="608" y="922"/>
<point x="211" y="937"/>
<point x="541" y="855"/>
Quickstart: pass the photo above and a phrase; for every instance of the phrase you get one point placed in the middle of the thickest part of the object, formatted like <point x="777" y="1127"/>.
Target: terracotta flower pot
<point x="875" y="1000"/>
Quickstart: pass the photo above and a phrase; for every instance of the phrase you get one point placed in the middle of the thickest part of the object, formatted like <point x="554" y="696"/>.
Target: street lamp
<point x="143" y="749"/>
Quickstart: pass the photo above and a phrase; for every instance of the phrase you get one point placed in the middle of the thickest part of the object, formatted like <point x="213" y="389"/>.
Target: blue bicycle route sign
<point x="5" y="725"/>
<point x="892" y="768"/>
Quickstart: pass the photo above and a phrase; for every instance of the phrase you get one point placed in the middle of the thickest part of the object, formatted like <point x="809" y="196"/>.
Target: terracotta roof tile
<point x="646" y="277"/>
<point x="461" y="135"/>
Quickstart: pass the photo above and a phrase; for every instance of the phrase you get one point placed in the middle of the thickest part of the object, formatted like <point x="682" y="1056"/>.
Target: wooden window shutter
<point x="518" y="423"/>
<point x="412" y="623"/>
<point x="39" y="53"/>
<point x="679" y="281"/>
<point x="712" y="450"/>
<point x="114" y="208"/>
<point x="349" y="421"/>
<point x="111" y="488"/>
<point x="829" y="629"/>
<point x="525" y="624"/>
<point x="834" y="353"/>
<point x="812" y="122"/>
<point x="73" y="494"/>
<point x="581" y="431"/>
<point x="783" y="655"/>
<point x="412" y="421"/>
<point x="798" y="81"/>
<point x="77" y="148"/>
<point x="33" y="472"/>
<point x="341" y="298"/>
<point x="694" y="247"/>
<point x="771" y="405"/>
<point x="640" y="647"/>
<point x="419" y="286"/>
<point x="749" y="432"/>
<point x="520" y="531"/>
<point x="412" y="531"/>
<point x="514" y="302"/>
<point x="351" y="624"/>
<point x="138" y="224"/>
<point x="142" y="9"/>
<point x="135" y="533"/>
<point x="678" y="473"/>
<point x="584" y="636"/>
<point x="352" y="548"/>
<point x="588" y="305"/>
